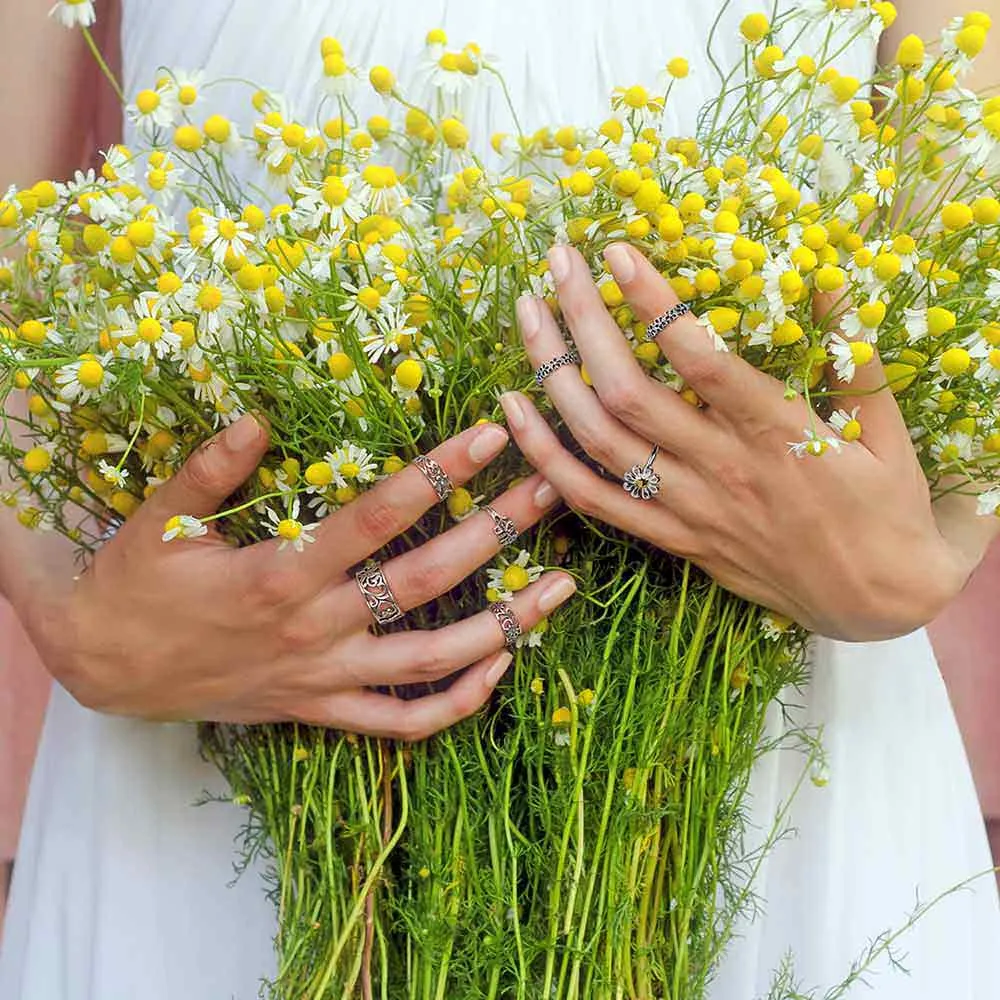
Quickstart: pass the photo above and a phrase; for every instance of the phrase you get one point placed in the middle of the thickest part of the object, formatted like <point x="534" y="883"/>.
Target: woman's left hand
<point x="844" y="543"/>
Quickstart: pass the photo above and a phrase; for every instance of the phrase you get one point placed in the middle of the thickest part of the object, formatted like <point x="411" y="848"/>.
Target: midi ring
<point x="508" y="622"/>
<point x="377" y="593"/>
<point x="571" y="357"/>
<point x="664" y="320"/>
<point x="436" y="476"/>
<point x="503" y="527"/>
<point x="641" y="481"/>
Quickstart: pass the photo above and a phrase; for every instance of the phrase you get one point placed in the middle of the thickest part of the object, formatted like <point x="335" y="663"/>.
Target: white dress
<point x="122" y="891"/>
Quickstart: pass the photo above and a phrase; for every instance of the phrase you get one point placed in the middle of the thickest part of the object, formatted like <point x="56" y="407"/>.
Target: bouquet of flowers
<point x="354" y="283"/>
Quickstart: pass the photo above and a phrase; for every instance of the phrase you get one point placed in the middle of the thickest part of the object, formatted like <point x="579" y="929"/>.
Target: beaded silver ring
<point x="571" y="357"/>
<point x="664" y="320"/>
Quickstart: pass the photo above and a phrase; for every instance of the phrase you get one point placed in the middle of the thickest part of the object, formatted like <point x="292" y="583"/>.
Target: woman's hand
<point x="844" y="543"/>
<point x="197" y="629"/>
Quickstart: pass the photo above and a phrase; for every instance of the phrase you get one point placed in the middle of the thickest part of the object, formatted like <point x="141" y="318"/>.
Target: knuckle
<point x="412" y="730"/>
<point x="201" y="469"/>
<point x="736" y="478"/>
<point x="377" y="518"/>
<point x="593" y="442"/>
<point x="426" y="579"/>
<point x="582" y="500"/>
<point x="302" y="634"/>
<point x="275" y="587"/>
<point x="429" y="663"/>
<point x="703" y="371"/>
<point x="625" y="398"/>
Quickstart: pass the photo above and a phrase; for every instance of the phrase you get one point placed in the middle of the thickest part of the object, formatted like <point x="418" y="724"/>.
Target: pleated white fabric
<point x="121" y="889"/>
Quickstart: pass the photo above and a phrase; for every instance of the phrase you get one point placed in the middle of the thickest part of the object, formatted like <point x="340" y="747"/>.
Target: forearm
<point x="955" y="513"/>
<point x="69" y="115"/>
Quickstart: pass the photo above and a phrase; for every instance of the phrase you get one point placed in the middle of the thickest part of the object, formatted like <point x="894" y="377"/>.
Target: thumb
<point x="214" y="471"/>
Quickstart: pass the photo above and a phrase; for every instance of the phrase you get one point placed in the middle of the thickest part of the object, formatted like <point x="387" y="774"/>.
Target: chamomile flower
<point x="83" y="380"/>
<point x="951" y="447"/>
<point x="290" y="529"/>
<point x="154" y="109"/>
<point x="112" y="473"/>
<point x="393" y="330"/>
<point x="352" y="463"/>
<point x="214" y="301"/>
<point x="814" y="444"/>
<point x="334" y="205"/>
<point x="774" y="625"/>
<point x="847" y="425"/>
<point x="183" y="526"/>
<point x="848" y="354"/>
<point x="224" y="235"/>
<point x="988" y="502"/>
<point x="74" y="13"/>
<point x="506" y="579"/>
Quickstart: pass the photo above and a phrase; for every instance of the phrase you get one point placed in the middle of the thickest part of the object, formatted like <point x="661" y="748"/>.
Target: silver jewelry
<point x="641" y="481"/>
<point x="377" y="593"/>
<point x="571" y="357"/>
<point x="436" y="476"/>
<point x="508" y="622"/>
<point x="664" y="320"/>
<point x="503" y="527"/>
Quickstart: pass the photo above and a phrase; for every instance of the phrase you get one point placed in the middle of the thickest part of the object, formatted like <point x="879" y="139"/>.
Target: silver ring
<point x="436" y="476"/>
<point x="503" y="527"/>
<point x="641" y="481"/>
<point x="508" y="622"/>
<point x="377" y="593"/>
<point x="571" y="357"/>
<point x="664" y="320"/>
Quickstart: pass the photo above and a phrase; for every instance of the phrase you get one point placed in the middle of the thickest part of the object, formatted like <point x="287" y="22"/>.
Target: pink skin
<point x="845" y="543"/>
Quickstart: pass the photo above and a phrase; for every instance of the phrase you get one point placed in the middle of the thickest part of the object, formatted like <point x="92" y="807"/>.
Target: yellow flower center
<point x="209" y="298"/>
<point x="150" y="330"/>
<point x="90" y="374"/>
<point x="515" y="578"/>
<point x="289" y="529"/>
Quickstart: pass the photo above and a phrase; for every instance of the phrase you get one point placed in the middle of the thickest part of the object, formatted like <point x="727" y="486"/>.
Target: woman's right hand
<point x="198" y="629"/>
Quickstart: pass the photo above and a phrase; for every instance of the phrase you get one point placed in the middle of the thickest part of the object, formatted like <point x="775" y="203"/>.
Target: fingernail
<point x="512" y="407"/>
<point x="556" y="592"/>
<point x="559" y="263"/>
<point x="495" y="674"/>
<point x="487" y="443"/>
<point x="528" y="318"/>
<point x="619" y="259"/>
<point x="242" y="434"/>
<point x="545" y="494"/>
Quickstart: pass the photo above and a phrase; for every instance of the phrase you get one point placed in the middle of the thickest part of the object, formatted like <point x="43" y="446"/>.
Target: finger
<point x="211" y="474"/>
<point x="589" y="494"/>
<point x="725" y="381"/>
<point x="412" y="657"/>
<point x="647" y="406"/>
<point x="434" y="568"/>
<point x="605" y="439"/>
<point x="398" y="502"/>
<point x="883" y="430"/>
<point x="389" y="717"/>
<point x="362" y="527"/>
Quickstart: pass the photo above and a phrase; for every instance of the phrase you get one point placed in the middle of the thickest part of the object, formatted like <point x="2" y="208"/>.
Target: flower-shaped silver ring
<point x="641" y="482"/>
